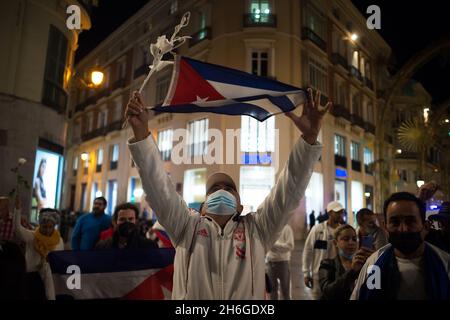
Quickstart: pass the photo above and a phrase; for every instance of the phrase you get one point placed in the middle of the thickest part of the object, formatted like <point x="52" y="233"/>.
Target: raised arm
<point x="285" y="196"/>
<point x="22" y="233"/>
<point x="167" y="204"/>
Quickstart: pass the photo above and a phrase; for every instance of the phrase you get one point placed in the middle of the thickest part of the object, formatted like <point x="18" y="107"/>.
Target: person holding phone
<point x="337" y="276"/>
<point x="370" y="235"/>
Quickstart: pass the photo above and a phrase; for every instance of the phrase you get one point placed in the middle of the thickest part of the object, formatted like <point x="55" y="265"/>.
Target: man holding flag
<point x="220" y="255"/>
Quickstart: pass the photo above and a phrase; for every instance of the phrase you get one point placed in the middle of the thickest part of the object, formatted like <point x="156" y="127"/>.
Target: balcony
<point x="357" y="120"/>
<point x="369" y="127"/>
<point x="199" y="36"/>
<point x="356" y="165"/>
<point x="340" y="161"/>
<point x="114" y="126"/>
<point x="368" y="169"/>
<point x="143" y="69"/>
<point x="113" y="165"/>
<point x="308" y="34"/>
<point x="368" y="83"/>
<point x="356" y="73"/>
<point x="338" y="110"/>
<point x="98" y="168"/>
<point x="54" y="96"/>
<point x="260" y="20"/>
<point x="118" y="84"/>
<point x="93" y="134"/>
<point x="336" y="58"/>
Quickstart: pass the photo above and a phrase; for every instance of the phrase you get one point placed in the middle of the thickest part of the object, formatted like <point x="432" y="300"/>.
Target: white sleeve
<point x="308" y="252"/>
<point x="22" y="233"/>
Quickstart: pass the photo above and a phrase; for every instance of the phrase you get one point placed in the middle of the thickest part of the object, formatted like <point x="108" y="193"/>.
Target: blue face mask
<point x="221" y="203"/>
<point x="344" y="255"/>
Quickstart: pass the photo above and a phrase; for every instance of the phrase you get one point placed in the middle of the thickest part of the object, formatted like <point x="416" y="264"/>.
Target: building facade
<point x="36" y="63"/>
<point x="303" y="43"/>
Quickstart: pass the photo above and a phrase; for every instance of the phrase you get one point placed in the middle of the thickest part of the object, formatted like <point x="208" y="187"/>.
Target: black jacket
<point x="335" y="282"/>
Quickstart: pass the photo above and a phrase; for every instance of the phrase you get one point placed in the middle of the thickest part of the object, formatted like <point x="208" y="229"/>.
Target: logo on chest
<point x="203" y="233"/>
<point x="239" y="242"/>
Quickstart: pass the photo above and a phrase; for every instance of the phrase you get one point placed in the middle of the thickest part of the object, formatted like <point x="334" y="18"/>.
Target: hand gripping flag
<point x="131" y="274"/>
<point x="198" y="86"/>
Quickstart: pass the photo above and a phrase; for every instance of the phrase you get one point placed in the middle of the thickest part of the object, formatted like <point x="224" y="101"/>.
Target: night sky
<point x="407" y="26"/>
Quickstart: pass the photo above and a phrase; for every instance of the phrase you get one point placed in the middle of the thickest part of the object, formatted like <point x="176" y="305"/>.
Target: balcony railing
<point x="143" y="69"/>
<point x="308" y="34"/>
<point x="113" y="165"/>
<point x="368" y="169"/>
<point x="356" y="73"/>
<point x="54" y="96"/>
<point x="340" y="161"/>
<point x="338" y="110"/>
<point x="368" y="83"/>
<point x="356" y="165"/>
<point x="369" y="127"/>
<point x="357" y="120"/>
<point x="119" y="84"/>
<point x="98" y="168"/>
<point x="336" y="58"/>
<point x="260" y="20"/>
<point x="200" y="35"/>
<point x="114" y="126"/>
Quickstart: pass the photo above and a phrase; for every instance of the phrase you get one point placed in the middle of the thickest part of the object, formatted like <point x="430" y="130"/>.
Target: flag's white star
<point x="201" y="99"/>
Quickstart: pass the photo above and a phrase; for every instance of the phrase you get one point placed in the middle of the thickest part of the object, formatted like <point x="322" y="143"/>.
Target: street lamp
<point x="97" y="77"/>
<point x="84" y="156"/>
<point x="420" y="183"/>
<point x="354" y="37"/>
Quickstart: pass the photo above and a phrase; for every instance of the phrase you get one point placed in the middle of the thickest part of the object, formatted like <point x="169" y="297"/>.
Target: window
<point x="173" y="6"/>
<point x="257" y="136"/>
<point x="54" y="94"/>
<point x="99" y="157"/>
<point x="368" y="160"/>
<point x="357" y="196"/>
<point x="341" y="93"/>
<point x="112" y="195"/>
<point x="339" y="45"/>
<point x="355" y="59"/>
<point x="354" y="150"/>
<point x="121" y="68"/>
<point x="260" y="63"/>
<point x="315" y="21"/>
<point x="260" y="10"/>
<point x="162" y="87"/>
<point x="318" y="76"/>
<point x="198" y="137"/>
<point x="255" y="184"/>
<point x="95" y="192"/>
<point x="314" y="194"/>
<point x="165" y="143"/>
<point x="102" y="118"/>
<point x="90" y="121"/>
<point x="369" y="112"/>
<point x="86" y="165"/>
<point x="107" y="77"/>
<point x="340" y="192"/>
<point x="194" y="186"/>
<point x="83" y="197"/>
<point x="339" y="145"/>
<point x="144" y="56"/>
<point x="114" y="156"/>
<point x="362" y="64"/>
<point x="135" y="191"/>
<point x="356" y="105"/>
<point x="75" y="166"/>
<point x="117" y="109"/>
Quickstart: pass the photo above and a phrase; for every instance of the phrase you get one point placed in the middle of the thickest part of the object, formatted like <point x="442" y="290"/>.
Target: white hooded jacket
<point x="211" y="263"/>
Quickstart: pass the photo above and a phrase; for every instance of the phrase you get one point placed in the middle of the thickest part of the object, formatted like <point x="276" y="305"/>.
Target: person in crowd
<point x="319" y="246"/>
<point x="408" y="268"/>
<point x="368" y="231"/>
<point x="89" y="226"/>
<point x="312" y="220"/>
<point x="39" y="243"/>
<point x="126" y="234"/>
<point x="201" y="272"/>
<point x="7" y="223"/>
<point x="12" y="272"/>
<point x="278" y="259"/>
<point x="322" y="217"/>
<point x="441" y="237"/>
<point x="337" y="276"/>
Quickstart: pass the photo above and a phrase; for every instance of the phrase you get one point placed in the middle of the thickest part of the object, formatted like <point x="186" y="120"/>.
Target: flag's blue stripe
<point x="282" y="102"/>
<point x="101" y="261"/>
<point x="232" y="109"/>
<point x="232" y="76"/>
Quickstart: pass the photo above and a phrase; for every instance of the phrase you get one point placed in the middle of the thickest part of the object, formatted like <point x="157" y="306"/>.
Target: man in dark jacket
<point x="126" y="234"/>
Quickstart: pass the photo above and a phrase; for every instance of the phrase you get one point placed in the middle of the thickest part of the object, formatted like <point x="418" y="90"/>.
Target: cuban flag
<point x="203" y="87"/>
<point x="132" y="274"/>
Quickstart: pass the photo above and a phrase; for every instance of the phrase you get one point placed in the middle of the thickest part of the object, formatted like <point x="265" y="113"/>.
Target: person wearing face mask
<point x="337" y="276"/>
<point x="369" y="232"/>
<point x="319" y="246"/>
<point x="39" y="243"/>
<point x="220" y="254"/>
<point x="126" y="233"/>
<point x="408" y="268"/>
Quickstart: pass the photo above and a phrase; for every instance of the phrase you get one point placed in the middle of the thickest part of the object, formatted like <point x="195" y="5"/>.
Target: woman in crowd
<point x="38" y="245"/>
<point x="337" y="276"/>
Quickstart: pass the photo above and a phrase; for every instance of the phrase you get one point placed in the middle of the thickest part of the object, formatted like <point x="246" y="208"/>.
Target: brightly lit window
<point x="99" y="156"/>
<point x="354" y="151"/>
<point x="194" y="186"/>
<point x="257" y="136"/>
<point x="255" y="184"/>
<point x="95" y="192"/>
<point x="339" y="145"/>
<point x="135" y="191"/>
<point x="198" y="137"/>
<point x="112" y="196"/>
<point x="368" y="156"/>
<point x="318" y="78"/>
<point x="260" y="10"/>
<point x="314" y="195"/>
<point x="357" y="196"/>
<point x="165" y="143"/>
